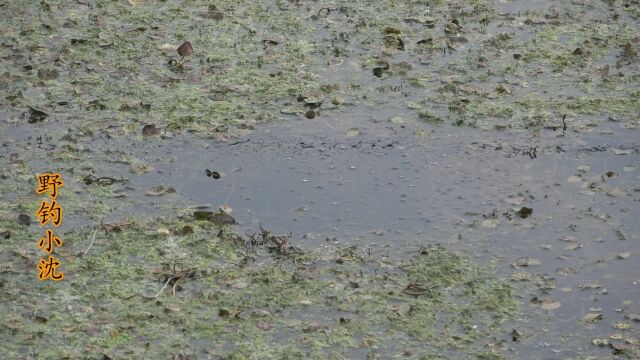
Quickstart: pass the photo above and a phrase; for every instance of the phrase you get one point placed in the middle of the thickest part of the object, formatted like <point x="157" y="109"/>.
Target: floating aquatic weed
<point x="524" y="212"/>
<point x="159" y="190"/>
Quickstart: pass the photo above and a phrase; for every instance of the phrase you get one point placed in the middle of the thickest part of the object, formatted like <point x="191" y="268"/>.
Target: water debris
<point x="222" y="218"/>
<point x="525" y="261"/>
<point x="310" y="114"/>
<point x="624" y="255"/>
<point x="225" y="209"/>
<point x="159" y="190"/>
<point x="416" y="289"/>
<point x="532" y="152"/>
<point x="453" y="27"/>
<point x="184" y="50"/>
<point x="623" y="325"/>
<point x="600" y="342"/>
<point x="622" y="151"/>
<point x="24" y="219"/>
<point x="213" y="174"/>
<point x="592" y="317"/>
<point x="48" y="74"/>
<point x="524" y="212"/>
<point x="172" y="274"/>
<point x="378" y="71"/>
<point x="633" y="317"/>
<point x="139" y="169"/>
<point x="213" y="13"/>
<point x="428" y="21"/>
<point x="261" y="313"/>
<point x="546" y="303"/>
<point x="515" y="335"/>
<point x="627" y="51"/>
<point x="202" y="215"/>
<point x="36" y="115"/>
<point x="398" y="120"/>
<point x="185" y="230"/>
<point x="270" y="42"/>
<point x="150" y="130"/>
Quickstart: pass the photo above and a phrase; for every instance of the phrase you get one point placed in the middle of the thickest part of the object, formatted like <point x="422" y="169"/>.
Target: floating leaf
<point x="261" y="312"/>
<point x="514" y="200"/>
<point x="490" y="223"/>
<point x="622" y="151"/>
<point x="525" y="261"/>
<point x="587" y="286"/>
<point x="623" y="325"/>
<point x="159" y="190"/>
<point x="353" y="132"/>
<point x="592" y="317"/>
<point x="600" y="342"/>
<point x="574" y="179"/>
<point x="396" y="120"/>
<point x="546" y="303"/>
<point x="225" y="209"/>
<point x="633" y="317"/>
<point x="573" y="247"/>
<point x="139" y="169"/>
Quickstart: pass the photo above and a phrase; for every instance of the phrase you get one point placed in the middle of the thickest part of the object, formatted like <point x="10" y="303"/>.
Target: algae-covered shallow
<point x="149" y="291"/>
<point x="441" y="179"/>
<point x="106" y="66"/>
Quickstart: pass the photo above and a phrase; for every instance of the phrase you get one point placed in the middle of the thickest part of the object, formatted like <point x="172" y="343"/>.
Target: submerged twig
<point x="163" y="287"/>
<point x="92" y="240"/>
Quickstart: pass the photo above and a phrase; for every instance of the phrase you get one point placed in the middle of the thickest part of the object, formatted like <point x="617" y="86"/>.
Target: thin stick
<point x="161" y="290"/>
<point x="92" y="240"/>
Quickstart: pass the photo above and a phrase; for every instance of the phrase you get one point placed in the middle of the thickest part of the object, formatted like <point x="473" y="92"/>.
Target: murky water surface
<point x="396" y="125"/>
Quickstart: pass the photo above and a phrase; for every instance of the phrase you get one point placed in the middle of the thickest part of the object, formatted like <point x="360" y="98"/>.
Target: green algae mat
<point x="191" y="289"/>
